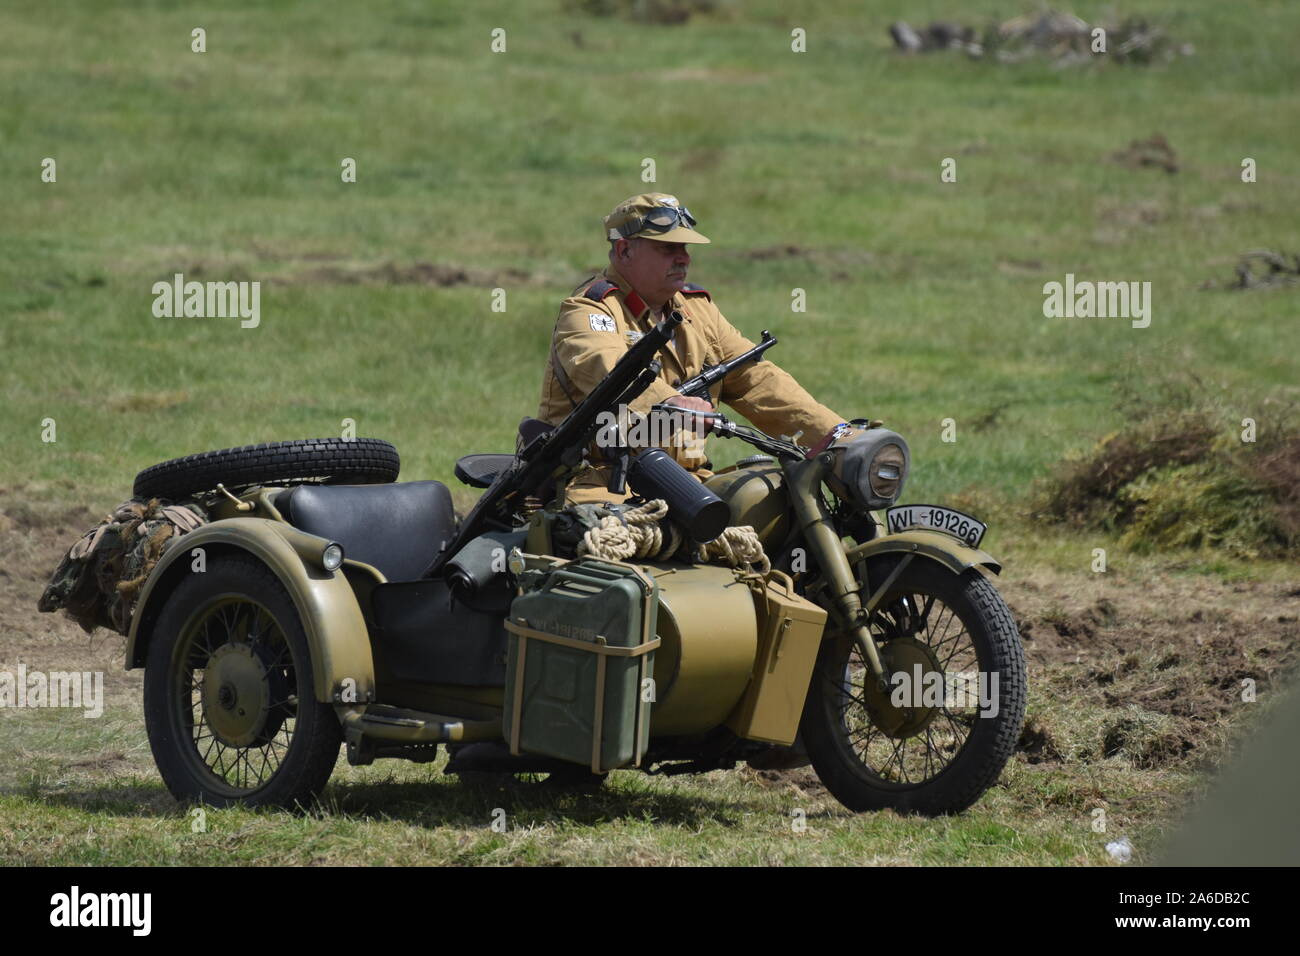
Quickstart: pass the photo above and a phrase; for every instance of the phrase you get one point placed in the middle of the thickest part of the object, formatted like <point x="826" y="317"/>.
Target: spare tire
<point x="359" y="461"/>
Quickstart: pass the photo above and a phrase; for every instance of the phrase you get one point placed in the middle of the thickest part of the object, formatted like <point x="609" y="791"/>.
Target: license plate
<point x="959" y="525"/>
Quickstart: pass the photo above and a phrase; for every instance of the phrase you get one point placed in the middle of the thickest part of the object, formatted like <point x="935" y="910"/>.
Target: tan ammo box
<point x="790" y="634"/>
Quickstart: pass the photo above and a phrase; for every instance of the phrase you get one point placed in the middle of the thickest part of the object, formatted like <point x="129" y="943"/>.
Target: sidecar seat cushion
<point x="398" y="528"/>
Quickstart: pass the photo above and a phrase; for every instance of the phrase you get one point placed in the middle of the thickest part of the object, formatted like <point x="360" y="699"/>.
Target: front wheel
<point x="229" y="701"/>
<point x="938" y="736"/>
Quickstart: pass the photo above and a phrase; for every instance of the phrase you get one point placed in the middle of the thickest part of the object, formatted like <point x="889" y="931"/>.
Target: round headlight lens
<point x="331" y="558"/>
<point x="886" y="471"/>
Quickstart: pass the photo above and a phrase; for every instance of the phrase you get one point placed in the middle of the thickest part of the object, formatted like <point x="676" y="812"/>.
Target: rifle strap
<point x="560" y="375"/>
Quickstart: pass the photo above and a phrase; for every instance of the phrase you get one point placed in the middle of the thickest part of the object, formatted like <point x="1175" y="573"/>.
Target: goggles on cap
<point x="659" y="219"/>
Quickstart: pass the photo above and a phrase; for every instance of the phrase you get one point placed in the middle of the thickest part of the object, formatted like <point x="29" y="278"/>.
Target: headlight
<point x="872" y="468"/>
<point x="885" y="474"/>
<point x="331" y="558"/>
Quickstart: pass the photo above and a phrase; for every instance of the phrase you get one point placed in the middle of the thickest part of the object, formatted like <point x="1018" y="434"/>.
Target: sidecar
<point x="303" y="615"/>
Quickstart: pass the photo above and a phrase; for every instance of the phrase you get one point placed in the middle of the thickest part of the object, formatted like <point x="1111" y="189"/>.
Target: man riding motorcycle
<point x="648" y="237"/>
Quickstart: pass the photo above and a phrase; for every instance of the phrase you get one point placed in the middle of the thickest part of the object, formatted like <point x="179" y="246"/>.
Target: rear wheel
<point x="940" y="734"/>
<point x="229" y="697"/>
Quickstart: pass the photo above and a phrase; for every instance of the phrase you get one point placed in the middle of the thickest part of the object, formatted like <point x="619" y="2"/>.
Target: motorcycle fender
<point x="331" y="617"/>
<point x="947" y="550"/>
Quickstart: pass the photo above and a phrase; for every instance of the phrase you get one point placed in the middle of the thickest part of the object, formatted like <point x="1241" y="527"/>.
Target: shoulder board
<point x="599" y="289"/>
<point x="692" y="289"/>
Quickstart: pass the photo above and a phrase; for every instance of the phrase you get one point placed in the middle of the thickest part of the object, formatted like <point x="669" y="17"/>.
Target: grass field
<point x="479" y="170"/>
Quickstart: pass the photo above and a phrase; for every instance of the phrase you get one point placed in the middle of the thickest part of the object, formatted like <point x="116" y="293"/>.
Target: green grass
<point x="226" y="163"/>
<point x="406" y="815"/>
<point x="924" y="303"/>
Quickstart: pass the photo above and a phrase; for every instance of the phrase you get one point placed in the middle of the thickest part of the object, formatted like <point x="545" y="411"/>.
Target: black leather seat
<point x="479" y="471"/>
<point x="398" y="528"/>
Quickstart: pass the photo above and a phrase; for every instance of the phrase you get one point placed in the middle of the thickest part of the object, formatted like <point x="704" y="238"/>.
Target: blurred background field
<point x="817" y="170"/>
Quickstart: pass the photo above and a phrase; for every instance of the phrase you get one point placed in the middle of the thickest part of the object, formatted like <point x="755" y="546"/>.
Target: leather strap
<point x="560" y="375"/>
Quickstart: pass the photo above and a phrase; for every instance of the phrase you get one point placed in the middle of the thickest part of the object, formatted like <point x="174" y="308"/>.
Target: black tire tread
<point x="361" y="461"/>
<point x="947" y="793"/>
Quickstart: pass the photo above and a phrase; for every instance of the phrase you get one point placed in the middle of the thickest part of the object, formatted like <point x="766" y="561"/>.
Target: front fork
<point x="805" y="480"/>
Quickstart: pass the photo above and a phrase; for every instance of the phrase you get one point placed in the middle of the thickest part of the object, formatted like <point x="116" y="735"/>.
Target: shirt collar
<point x="635" y="304"/>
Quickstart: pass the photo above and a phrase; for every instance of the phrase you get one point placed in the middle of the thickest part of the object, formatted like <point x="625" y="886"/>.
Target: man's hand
<point x="687" y="401"/>
<point x="702" y="425"/>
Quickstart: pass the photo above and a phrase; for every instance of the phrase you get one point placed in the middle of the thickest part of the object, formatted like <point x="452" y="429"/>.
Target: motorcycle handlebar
<point x="726" y="428"/>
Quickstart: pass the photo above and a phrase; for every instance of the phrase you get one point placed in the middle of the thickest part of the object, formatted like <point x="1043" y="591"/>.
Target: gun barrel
<point x="700" y="384"/>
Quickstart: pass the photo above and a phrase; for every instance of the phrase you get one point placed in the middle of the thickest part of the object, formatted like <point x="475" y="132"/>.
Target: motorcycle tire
<point x="229" y="696"/>
<point x="864" y="780"/>
<point x="359" y="461"/>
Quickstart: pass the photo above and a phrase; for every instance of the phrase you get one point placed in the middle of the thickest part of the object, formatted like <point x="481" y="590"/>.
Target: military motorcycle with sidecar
<point x="326" y="603"/>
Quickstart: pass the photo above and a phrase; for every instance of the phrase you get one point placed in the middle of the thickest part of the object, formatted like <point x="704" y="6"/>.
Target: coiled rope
<point x="634" y="533"/>
<point x="737" y="547"/>
<point x="638" y="533"/>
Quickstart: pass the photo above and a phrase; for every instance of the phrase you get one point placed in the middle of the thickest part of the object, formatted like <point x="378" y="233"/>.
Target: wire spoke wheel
<point x="938" y="734"/>
<point x="229" y="696"/>
<point x="237" y="694"/>
<point x="912" y="733"/>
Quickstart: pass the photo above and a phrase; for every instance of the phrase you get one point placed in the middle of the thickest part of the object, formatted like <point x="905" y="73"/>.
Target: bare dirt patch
<point x="839" y="263"/>
<point x="47" y="744"/>
<point x="1151" y="668"/>
<point x="1154" y="152"/>
<point x="417" y="273"/>
<point x="33" y="538"/>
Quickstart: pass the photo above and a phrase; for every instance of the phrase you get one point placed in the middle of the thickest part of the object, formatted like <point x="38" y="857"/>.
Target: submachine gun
<point x="552" y="453"/>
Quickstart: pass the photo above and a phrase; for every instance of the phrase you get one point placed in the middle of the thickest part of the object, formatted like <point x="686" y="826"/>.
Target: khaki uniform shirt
<point x="592" y="335"/>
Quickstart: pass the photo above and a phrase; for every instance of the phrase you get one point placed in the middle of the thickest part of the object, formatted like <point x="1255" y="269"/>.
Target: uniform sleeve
<point x="769" y="396"/>
<point x="587" y="348"/>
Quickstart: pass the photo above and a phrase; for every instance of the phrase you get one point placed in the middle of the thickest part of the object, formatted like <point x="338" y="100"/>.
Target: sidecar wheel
<point x="229" y="698"/>
<point x="935" y="754"/>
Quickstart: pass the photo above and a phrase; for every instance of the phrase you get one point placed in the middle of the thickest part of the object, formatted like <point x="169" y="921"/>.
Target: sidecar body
<point x="508" y="643"/>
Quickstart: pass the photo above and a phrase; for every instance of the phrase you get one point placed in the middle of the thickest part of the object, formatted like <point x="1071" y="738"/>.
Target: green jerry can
<point x="580" y="649"/>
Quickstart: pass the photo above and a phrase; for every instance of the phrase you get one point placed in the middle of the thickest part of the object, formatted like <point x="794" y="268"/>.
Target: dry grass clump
<point x="1182" y="475"/>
